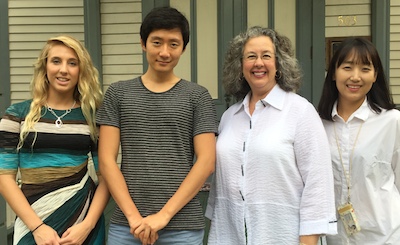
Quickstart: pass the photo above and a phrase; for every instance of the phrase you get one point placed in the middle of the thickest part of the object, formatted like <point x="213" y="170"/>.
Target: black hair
<point x="379" y="95"/>
<point x="165" y="18"/>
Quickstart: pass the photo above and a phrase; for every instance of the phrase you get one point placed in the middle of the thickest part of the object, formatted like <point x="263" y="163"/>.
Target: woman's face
<point x="259" y="67"/>
<point x="62" y="69"/>
<point x="354" y="80"/>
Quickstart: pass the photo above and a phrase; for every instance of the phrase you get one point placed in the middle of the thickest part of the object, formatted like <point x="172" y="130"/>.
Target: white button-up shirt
<point x="273" y="178"/>
<point x="375" y="174"/>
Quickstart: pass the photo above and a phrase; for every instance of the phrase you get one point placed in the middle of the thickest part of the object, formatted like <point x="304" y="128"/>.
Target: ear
<point x="376" y="75"/>
<point x="143" y="45"/>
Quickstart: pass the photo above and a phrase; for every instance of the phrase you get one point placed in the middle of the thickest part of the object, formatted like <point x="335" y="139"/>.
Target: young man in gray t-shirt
<point x="162" y="122"/>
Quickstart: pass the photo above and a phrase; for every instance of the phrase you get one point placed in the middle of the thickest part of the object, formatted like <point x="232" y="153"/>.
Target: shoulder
<point x="124" y="83"/>
<point x="299" y="103"/>
<point x="393" y="114"/>
<point x="191" y="86"/>
<point x="19" y="109"/>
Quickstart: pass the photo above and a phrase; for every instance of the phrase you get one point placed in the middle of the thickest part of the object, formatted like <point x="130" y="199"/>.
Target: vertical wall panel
<point x="394" y="71"/>
<point x="120" y="27"/>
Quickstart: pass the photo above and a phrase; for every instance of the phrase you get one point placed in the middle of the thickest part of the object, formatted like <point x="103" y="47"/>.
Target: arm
<point x="313" y="159"/>
<point x="204" y="147"/>
<point x="109" y="141"/>
<point x="18" y="202"/>
<point x="78" y="233"/>
<point x="309" y="240"/>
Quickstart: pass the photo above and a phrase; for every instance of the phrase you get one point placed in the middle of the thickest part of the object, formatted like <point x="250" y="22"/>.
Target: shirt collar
<point x="275" y="98"/>
<point x="361" y="113"/>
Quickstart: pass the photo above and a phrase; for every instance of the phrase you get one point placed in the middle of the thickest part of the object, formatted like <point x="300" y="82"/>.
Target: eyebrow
<point x="160" y="38"/>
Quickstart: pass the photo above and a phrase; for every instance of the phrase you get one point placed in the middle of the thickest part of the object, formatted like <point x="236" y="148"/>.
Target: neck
<point x="61" y="104"/>
<point x="157" y="82"/>
<point x="345" y="110"/>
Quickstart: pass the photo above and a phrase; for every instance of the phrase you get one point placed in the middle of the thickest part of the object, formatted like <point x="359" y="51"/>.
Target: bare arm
<point x="18" y="202"/>
<point x="309" y="240"/>
<point x="77" y="234"/>
<point x="109" y="141"/>
<point x="204" y="146"/>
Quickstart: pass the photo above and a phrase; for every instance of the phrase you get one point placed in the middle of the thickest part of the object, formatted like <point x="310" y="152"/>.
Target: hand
<point x="45" y="235"/>
<point x="147" y="231"/>
<point x="75" y="235"/>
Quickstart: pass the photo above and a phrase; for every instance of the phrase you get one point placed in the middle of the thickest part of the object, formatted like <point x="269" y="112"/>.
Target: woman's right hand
<point x="45" y="235"/>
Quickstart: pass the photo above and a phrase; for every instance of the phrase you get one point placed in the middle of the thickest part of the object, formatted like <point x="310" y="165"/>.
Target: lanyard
<point x="347" y="174"/>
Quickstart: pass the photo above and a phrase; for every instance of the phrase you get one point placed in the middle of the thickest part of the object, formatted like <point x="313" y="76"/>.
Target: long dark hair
<point x="379" y="95"/>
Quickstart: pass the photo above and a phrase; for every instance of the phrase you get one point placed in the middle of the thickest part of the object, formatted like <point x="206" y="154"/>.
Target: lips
<point x="354" y="88"/>
<point x="259" y="73"/>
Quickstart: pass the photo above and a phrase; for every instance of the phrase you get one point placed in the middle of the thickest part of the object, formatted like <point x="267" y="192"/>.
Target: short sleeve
<point x="205" y="117"/>
<point x="10" y="126"/>
<point x="109" y="112"/>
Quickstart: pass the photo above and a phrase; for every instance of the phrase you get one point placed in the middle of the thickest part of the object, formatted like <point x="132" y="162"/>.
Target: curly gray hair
<point x="287" y="66"/>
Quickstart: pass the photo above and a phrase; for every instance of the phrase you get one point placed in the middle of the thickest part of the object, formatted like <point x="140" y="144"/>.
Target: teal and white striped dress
<point x="54" y="173"/>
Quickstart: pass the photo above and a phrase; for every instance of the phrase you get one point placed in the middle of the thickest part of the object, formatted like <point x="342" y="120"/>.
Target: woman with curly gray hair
<point x="273" y="180"/>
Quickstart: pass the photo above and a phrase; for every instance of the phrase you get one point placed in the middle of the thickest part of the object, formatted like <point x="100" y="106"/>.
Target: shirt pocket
<point x="379" y="174"/>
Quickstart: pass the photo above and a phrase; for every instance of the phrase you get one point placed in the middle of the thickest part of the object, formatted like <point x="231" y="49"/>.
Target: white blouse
<point x="273" y="178"/>
<point x="375" y="173"/>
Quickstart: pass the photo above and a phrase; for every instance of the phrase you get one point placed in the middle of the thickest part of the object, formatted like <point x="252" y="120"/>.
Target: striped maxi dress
<point x="54" y="172"/>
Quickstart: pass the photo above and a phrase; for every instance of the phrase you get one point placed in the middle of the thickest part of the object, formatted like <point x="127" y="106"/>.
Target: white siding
<point x="358" y="9"/>
<point x="394" y="71"/>
<point x="122" y="53"/>
<point x="31" y="23"/>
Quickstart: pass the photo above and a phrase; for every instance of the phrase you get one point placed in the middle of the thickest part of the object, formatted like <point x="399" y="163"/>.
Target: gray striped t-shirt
<point x="157" y="131"/>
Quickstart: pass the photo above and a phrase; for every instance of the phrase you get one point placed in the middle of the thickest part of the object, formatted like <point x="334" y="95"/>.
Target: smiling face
<point x="354" y="80"/>
<point x="259" y="67"/>
<point x="163" y="50"/>
<point x="62" y="69"/>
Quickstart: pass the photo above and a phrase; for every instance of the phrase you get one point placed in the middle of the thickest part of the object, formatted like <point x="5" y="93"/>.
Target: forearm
<point x="189" y="188"/>
<point x="18" y="202"/>
<point x="204" y="147"/>
<point x="98" y="204"/>
<point x="109" y="142"/>
<point x="117" y="186"/>
<point x="309" y="240"/>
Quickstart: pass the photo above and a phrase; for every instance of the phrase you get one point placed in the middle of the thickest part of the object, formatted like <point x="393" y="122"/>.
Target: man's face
<point x="163" y="49"/>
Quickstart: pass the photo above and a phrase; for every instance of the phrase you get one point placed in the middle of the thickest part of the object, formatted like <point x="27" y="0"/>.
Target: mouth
<point x="353" y="88"/>
<point x="163" y="62"/>
<point x="62" y="79"/>
<point x="259" y="73"/>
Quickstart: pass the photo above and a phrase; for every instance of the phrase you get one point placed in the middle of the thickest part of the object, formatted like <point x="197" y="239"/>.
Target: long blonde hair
<point x="87" y="92"/>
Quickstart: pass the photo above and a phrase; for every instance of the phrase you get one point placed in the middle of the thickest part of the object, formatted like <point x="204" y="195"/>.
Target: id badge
<point x="348" y="216"/>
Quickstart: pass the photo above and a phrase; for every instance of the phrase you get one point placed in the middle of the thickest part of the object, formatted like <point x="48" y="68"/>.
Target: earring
<point x="278" y="75"/>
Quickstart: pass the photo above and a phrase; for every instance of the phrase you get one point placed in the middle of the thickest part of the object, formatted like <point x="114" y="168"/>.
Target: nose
<point x="355" y="76"/>
<point x="164" y="51"/>
<point x="64" y="67"/>
<point x="259" y="61"/>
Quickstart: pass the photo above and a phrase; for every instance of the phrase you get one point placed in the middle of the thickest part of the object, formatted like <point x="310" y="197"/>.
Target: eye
<point x="250" y="57"/>
<point x="55" y="61"/>
<point x="366" y="69"/>
<point x="73" y="63"/>
<point x="156" y="43"/>
<point x="267" y="57"/>
<point x="174" y="45"/>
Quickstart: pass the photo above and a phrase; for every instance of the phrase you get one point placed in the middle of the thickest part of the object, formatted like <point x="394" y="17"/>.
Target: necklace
<point x="347" y="174"/>
<point x="59" y="122"/>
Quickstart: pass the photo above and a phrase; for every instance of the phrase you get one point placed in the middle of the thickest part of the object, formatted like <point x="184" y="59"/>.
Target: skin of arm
<point x="309" y="240"/>
<point x="109" y="141"/>
<point x="79" y="232"/>
<point x="204" y="147"/>
<point x="20" y="205"/>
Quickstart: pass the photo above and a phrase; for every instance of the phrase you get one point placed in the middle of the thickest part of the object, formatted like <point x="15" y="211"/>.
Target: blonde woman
<point x="49" y="138"/>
